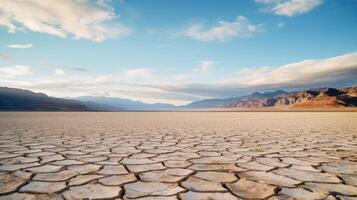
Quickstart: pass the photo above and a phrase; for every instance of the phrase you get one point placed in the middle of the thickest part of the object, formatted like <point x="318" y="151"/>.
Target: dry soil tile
<point x="251" y="189"/>
<point x="117" y="179"/>
<point x="201" y="185"/>
<point x="216" y="176"/>
<point x="146" y="167"/>
<point x="350" y="179"/>
<point x="92" y="191"/>
<point x="10" y="182"/>
<point x="84" y="169"/>
<point x="308" y="176"/>
<point x="113" y="170"/>
<point x="300" y="194"/>
<point x="207" y="196"/>
<point x="270" y="178"/>
<point x="43" y="187"/>
<point x="24" y="196"/>
<point x="332" y="188"/>
<point x="58" y="176"/>
<point x="82" y="179"/>
<point x="142" y="189"/>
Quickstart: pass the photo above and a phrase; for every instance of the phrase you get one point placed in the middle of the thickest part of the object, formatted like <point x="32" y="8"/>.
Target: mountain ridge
<point x="316" y="98"/>
<point x="13" y="99"/>
<point x="120" y="104"/>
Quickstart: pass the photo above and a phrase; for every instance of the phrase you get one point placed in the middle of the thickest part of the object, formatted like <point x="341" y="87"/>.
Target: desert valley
<point x="178" y="100"/>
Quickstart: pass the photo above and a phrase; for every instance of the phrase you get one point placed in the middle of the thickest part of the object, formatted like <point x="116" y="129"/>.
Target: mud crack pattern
<point x="188" y="156"/>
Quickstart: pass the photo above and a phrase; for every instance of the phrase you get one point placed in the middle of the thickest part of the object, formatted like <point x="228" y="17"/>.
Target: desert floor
<point x="184" y="155"/>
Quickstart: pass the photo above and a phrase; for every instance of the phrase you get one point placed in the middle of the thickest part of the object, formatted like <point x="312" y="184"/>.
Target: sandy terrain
<point x="187" y="155"/>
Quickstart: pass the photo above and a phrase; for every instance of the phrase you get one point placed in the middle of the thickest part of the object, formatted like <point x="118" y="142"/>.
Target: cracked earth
<point x="169" y="156"/>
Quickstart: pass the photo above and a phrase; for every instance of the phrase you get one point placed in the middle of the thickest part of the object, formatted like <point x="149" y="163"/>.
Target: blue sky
<point x="176" y="51"/>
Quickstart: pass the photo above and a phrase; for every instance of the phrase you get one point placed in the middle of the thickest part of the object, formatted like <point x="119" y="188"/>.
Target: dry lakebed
<point x="178" y="155"/>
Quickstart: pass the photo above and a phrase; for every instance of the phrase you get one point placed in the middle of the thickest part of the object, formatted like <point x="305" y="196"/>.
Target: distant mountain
<point x="119" y="104"/>
<point x="12" y="99"/>
<point x="317" y="98"/>
<point x="101" y="107"/>
<point x="230" y="102"/>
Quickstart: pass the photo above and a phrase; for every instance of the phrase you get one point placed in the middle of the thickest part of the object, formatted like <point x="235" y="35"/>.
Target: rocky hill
<point x="12" y="99"/>
<point x="325" y="98"/>
<point x="321" y="98"/>
<point x="232" y="102"/>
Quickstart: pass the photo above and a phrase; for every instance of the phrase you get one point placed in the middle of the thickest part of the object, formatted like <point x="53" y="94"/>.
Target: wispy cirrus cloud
<point x="204" y="66"/>
<point x="133" y="74"/>
<point x="14" y="71"/>
<point x="59" y="72"/>
<point x="63" y="68"/>
<point x="19" y="46"/>
<point x="239" y="28"/>
<point x="289" y="7"/>
<point x="72" y="18"/>
<point x="3" y="56"/>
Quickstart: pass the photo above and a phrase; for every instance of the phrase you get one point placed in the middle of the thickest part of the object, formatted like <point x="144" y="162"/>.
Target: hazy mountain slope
<point x="126" y="104"/>
<point x="101" y="107"/>
<point x="232" y="102"/>
<point x="12" y="99"/>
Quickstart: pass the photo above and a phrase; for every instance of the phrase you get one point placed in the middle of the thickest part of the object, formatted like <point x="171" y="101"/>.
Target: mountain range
<point x="12" y="99"/>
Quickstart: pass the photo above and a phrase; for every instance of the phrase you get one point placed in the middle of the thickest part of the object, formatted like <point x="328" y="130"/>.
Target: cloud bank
<point x="305" y="72"/>
<point x="14" y="71"/>
<point x="339" y="70"/>
<point x="289" y="7"/>
<point x="79" y="19"/>
<point x="181" y="88"/>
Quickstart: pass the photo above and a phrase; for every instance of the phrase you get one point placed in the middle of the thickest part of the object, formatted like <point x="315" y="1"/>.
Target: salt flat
<point x="184" y="155"/>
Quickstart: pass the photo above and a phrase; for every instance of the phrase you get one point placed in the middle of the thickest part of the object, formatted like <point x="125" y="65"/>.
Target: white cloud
<point x="204" y="66"/>
<point x="55" y="66"/>
<point x="134" y="74"/>
<point x="80" y="19"/>
<point x="19" y="46"/>
<point x="13" y="71"/>
<point x="241" y="27"/>
<point x="290" y="7"/>
<point x="59" y="72"/>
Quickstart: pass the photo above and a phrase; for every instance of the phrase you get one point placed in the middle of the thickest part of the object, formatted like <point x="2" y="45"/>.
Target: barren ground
<point x="185" y="155"/>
